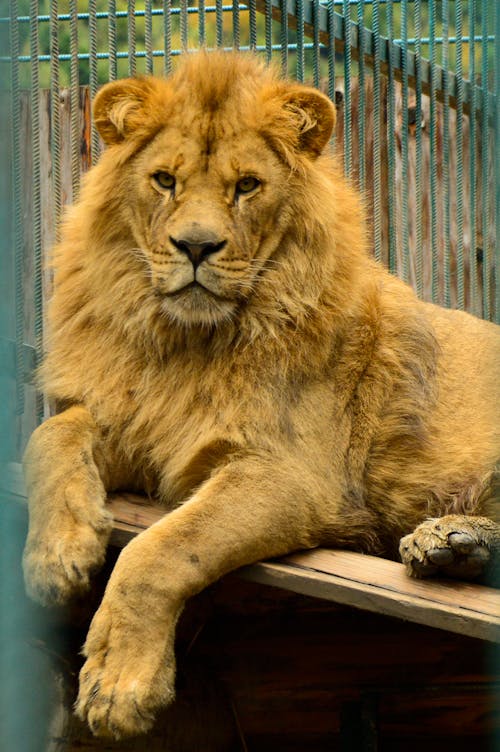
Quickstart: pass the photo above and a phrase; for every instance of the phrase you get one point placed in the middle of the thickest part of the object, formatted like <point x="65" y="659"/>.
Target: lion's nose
<point x="197" y="250"/>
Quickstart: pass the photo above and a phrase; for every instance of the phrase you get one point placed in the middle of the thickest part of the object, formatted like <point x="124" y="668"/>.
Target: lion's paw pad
<point x="454" y="546"/>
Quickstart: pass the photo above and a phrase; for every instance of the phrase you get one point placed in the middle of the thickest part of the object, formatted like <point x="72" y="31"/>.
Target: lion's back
<point x="467" y="418"/>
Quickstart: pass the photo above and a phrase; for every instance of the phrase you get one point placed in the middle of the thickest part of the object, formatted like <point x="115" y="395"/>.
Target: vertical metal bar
<point x="284" y="36"/>
<point x="131" y="38"/>
<point x="419" y="271"/>
<point x="167" y="36"/>
<point x="316" y="43"/>
<point x="36" y="194"/>
<point x="497" y="160"/>
<point x="201" y="23"/>
<point x="112" y="37"/>
<point x="74" y="99"/>
<point x="55" y="141"/>
<point x="253" y="24"/>
<point x="17" y="214"/>
<point x="236" y="24"/>
<point x="474" y="307"/>
<point x="404" y="142"/>
<point x="391" y="130"/>
<point x="184" y="25"/>
<point x="300" y="42"/>
<point x="485" y="198"/>
<point x="377" y="203"/>
<point x="331" y="54"/>
<point x="361" y="95"/>
<point x="148" y="35"/>
<point x="269" y="30"/>
<point x="433" y="151"/>
<point x="331" y="57"/>
<point x="347" y="88"/>
<point x="94" y="136"/>
<point x="219" y="22"/>
<point x="445" y="62"/>
<point x="460" y="156"/>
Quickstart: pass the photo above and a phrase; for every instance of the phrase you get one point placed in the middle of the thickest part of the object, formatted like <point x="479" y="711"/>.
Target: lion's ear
<point x="121" y="108"/>
<point x="315" y="118"/>
<point x="300" y="119"/>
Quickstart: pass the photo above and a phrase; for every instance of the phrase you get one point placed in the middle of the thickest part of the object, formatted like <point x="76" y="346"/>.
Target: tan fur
<point x="299" y="395"/>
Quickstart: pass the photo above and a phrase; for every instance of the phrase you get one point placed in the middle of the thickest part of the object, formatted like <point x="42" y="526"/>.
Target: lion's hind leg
<point x="69" y="526"/>
<point x="456" y="545"/>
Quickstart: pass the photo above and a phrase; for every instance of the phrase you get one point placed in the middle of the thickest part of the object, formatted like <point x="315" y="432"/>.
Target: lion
<point x="221" y="338"/>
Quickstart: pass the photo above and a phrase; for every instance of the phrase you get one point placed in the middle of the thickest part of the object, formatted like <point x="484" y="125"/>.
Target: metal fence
<point x="416" y="85"/>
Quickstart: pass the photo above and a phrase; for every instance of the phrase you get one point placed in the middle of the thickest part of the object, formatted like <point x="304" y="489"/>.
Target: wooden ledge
<point x="358" y="580"/>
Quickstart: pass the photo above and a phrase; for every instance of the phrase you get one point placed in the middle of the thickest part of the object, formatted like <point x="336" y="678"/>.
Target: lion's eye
<point x="164" y="180"/>
<point x="247" y="185"/>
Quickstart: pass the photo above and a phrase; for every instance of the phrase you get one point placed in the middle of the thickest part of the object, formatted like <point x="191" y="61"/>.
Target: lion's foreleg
<point x="244" y="513"/>
<point x="69" y="526"/>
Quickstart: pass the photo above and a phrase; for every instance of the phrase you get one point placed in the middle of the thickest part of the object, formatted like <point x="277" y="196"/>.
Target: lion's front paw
<point x="454" y="546"/>
<point x="127" y="677"/>
<point x="63" y="550"/>
<point x="57" y="569"/>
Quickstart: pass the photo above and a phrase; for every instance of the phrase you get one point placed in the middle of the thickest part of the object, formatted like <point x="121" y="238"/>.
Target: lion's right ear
<point x="313" y="116"/>
<point x="297" y="119"/>
<point x="125" y="107"/>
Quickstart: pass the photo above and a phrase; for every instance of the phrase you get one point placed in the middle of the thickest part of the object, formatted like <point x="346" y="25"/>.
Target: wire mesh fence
<point x="416" y="84"/>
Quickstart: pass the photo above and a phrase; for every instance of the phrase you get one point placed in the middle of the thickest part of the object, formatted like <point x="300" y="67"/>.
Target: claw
<point x="77" y="571"/>
<point x="440" y="556"/>
<point x="463" y="543"/>
<point x="96" y="726"/>
<point x="94" y="692"/>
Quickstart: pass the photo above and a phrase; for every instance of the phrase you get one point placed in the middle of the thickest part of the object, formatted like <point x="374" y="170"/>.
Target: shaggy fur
<point x="220" y="338"/>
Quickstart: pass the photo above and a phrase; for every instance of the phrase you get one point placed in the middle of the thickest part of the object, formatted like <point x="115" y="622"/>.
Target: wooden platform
<point x="269" y="669"/>
<point x="358" y="580"/>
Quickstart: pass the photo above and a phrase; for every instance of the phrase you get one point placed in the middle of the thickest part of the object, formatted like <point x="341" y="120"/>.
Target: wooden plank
<point x="428" y="610"/>
<point x="372" y="570"/>
<point x="132" y="514"/>
<point x="358" y="580"/>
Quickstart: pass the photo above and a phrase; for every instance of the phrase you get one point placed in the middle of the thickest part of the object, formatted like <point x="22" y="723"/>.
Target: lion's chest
<point x="180" y="420"/>
<point x="175" y="422"/>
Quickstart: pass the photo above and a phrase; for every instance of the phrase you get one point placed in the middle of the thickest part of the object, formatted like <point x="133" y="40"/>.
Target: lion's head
<point x="210" y="169"/>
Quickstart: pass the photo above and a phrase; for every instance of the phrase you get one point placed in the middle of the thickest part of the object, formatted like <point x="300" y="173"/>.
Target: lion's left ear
<point x="301" y="119"/>
<point x="129" y="106"/>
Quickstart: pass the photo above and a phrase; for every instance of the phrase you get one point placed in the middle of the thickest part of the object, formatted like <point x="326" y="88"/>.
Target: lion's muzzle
<point x="198" y="246"/>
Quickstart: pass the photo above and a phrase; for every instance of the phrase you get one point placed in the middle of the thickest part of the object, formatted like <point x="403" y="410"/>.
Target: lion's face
<point x="206" y="218"/>
<point x="206" y="192"/>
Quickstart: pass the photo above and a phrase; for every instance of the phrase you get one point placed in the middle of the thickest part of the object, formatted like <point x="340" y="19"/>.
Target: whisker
<point x="138" y="253"/>
<point x="273" y="262"/>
